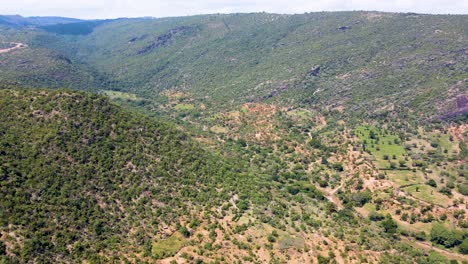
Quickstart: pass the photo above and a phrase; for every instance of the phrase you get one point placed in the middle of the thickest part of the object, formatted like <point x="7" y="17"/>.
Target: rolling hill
<point x="19" y="21"/>
<point x="345" y="59"/>
<point x="332" y="137"/>
<point x="85" y="180"/>
<point x="81" y="177"/>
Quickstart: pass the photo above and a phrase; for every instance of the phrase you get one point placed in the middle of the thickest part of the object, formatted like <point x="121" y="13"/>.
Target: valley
<point x="329" y="137"/>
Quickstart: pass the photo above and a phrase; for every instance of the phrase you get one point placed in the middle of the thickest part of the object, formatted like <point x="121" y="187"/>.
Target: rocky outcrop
<point x="135" y="39"/>
<point x="165" y="38"/>
<point x="461" y="107"/>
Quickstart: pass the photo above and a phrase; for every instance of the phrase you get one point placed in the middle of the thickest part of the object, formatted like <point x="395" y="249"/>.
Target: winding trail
<point x="17" y="46"/>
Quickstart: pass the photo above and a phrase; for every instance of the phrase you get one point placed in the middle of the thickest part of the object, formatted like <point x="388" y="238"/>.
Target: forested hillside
<point x="333" y="137"/>
<point x="349" y="59"/>
<point x="81" y="177"/>
<point x="345" y="59"/>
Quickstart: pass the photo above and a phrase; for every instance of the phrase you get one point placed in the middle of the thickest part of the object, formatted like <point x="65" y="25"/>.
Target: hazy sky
<point x="164" y="8"/>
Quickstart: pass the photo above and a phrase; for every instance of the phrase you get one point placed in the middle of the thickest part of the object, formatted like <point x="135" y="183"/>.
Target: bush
<point x="389" y="225"/>
<point x="361" y="198"/>
<point x="450" y="185"/>
<point x="184" y="231"/>
<point x="442" y="236"/>
<point x="338" y="166"/>
<point x="420" y="236"/>
<point x="432" y="183"/>
<point x="271" y="238"/>
<point x="463" y="189"/>
<point x="331" y="208"/>
<point x="374" y="216"/>
<point x="242" y="205"/>
<point x="446" y="191"/>
<point x="293" y="190"/>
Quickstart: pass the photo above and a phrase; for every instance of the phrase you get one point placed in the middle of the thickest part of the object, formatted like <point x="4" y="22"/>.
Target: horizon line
<point x="236" y="13"/>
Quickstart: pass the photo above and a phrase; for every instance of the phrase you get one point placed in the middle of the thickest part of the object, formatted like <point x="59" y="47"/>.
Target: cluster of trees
<point x="447" y="238"/>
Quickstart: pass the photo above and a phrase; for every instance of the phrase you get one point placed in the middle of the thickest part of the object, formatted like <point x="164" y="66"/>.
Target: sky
<point x="92" y="9"/>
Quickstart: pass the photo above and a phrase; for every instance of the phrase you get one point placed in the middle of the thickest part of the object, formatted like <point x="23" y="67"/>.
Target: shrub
<point x="2" y="248"/>
<point x="420" y="236"/>
<point x="445" y="191"/>
<point x="463" y="189"/>
<point x="432" y="183"/>
<point x="338" y="166"/>
<point x="389" y="225"/>
<point x="242" y="205"/>
<point x="374" y="216"/>
<point x="184" y="231"/>
<point x="361" y="198"/>
<point x="271" y="238"/>
<point x="442" y="236"/>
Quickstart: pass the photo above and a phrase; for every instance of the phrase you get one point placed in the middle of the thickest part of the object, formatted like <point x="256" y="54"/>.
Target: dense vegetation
<point x="80" y="176"/>
<point x="248" y="138"/>
<point x="345" y="59"/>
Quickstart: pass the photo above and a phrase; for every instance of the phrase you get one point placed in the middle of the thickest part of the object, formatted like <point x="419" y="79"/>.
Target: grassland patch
<point x="168" y="247"/>
<point x="184" y="107"/>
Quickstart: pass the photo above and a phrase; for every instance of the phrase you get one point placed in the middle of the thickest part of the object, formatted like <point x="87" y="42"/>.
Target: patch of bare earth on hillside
<point x="256" y="121"/>
<point x="458" y="132"/>
<point x="15" y="47"/>
<point x="290" y="247"/>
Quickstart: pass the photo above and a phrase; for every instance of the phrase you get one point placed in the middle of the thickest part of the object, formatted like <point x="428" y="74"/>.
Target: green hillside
<point x="332" y="137"/>
<point x="31" y="65"/>
<point x="349" y="59"/>
<point x="85" y="180"/>
<point x="330" y="59"/>
<point x="80" y="177"/>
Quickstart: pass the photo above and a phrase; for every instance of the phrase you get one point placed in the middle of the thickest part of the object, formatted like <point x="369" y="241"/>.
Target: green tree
<point x="389" y="225"/>
<point x="184" y="231"/>
<point x="442" y="236"/>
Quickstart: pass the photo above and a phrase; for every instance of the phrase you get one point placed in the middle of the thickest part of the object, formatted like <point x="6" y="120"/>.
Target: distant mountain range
<point x="343" y="59"/>
<point x="17" y="20"/>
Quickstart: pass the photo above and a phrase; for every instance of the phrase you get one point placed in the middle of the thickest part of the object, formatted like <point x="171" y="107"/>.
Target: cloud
<point x="164" y="8"/>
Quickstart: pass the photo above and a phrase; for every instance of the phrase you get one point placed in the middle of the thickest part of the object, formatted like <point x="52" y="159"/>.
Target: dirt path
<point x="17" y="46"/>
<point x="330" y="195"/>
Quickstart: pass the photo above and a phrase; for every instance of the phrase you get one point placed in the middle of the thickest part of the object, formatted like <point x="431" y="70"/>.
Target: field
<point x="428" y="194"/>
<point x="383" y="145"/>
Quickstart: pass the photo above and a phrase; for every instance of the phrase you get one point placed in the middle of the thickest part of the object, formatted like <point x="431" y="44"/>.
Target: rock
<point x="461" y="108"/>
